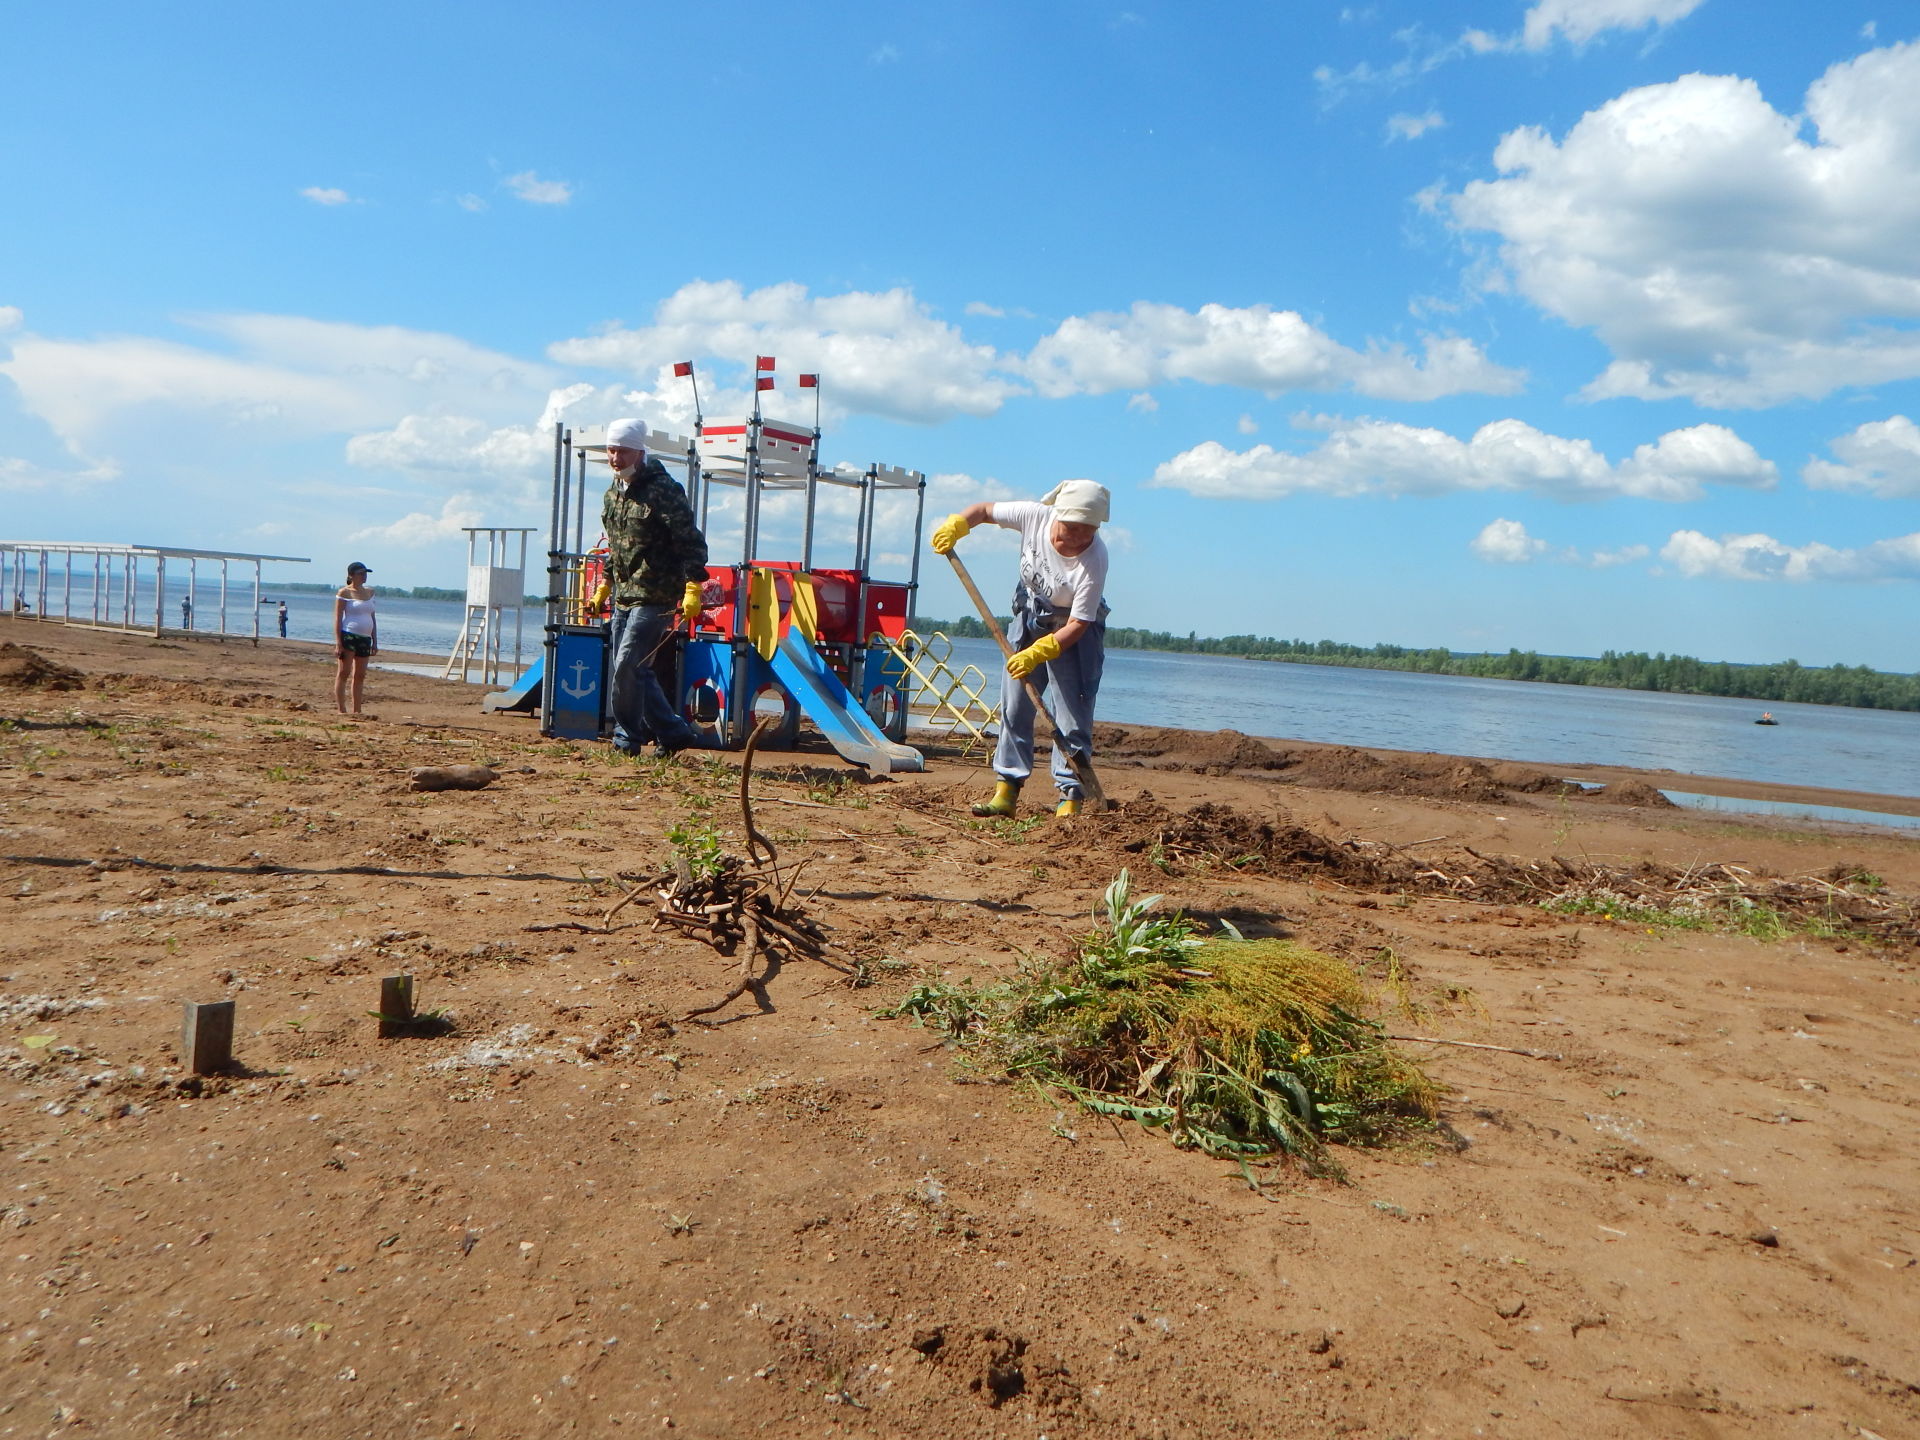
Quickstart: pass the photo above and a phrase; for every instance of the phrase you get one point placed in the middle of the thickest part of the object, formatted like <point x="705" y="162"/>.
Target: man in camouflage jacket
<point x="656" y="561"/>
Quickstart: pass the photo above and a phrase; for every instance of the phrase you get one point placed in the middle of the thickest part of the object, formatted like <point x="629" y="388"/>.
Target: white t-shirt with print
<point x="1074" y="585"/>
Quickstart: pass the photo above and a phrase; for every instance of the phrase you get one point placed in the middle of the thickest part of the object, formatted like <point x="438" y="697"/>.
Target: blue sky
<point x="1559" y="324"/>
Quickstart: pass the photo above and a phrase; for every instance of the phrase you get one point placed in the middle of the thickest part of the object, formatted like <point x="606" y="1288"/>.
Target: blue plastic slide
<point x="834" y="711"/>
<point x="523" y="695"/>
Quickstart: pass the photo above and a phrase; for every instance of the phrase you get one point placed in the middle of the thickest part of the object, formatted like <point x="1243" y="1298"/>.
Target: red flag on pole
<point x="765" y="382"/>
<point x="683" y="367"/>
<point x="809" y="382"/>
<point x="763" y="362"/>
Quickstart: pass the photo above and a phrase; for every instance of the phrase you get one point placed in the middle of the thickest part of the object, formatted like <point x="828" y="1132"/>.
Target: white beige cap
<point x="1079" y="501"/>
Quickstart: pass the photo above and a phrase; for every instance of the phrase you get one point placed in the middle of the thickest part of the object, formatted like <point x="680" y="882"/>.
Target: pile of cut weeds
<point x="1238" y="1048"/>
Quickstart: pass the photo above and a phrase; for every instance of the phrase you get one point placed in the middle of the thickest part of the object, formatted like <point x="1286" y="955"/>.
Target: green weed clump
<point x="1239" y="1048"/>
<point x="1730" y="914"/>
<point x="697" y="844"/>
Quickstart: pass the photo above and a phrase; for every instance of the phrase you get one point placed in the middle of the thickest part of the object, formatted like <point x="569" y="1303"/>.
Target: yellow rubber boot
<point x="1067" y="808"/>
<point x="1006" y="799"/>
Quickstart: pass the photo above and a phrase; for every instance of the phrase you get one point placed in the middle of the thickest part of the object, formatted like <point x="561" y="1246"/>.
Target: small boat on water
<point x="1766" y="718"/>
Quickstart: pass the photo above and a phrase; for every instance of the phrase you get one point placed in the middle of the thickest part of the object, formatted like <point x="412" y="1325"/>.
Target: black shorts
<point x="361" y="645"/>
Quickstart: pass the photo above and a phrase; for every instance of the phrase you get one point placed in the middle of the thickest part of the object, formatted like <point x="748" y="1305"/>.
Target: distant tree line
<point x="1856" y="685"/>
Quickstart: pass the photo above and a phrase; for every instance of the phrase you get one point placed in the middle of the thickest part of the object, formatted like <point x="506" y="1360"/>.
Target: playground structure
<point x="957" y="699"/>
<point x="776" y="640"/>
<point x="493" y="588"/>
<point x="125" y="587"/>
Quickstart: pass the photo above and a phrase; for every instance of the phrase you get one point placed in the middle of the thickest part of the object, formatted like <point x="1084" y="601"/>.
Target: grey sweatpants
<point x="1070" y="685"/>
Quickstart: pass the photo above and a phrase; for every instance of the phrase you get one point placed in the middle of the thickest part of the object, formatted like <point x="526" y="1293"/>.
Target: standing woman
<point x="356" y="637"/>
<point x="1059" y="625"/>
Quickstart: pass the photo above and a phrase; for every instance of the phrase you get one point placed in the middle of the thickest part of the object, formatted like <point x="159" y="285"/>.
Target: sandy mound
<point x="1205" y="752"/>
<point x="1322" y="767"/>
<point x="1218" y="835"/>
<point x="1628" y="792"/>
<point x="24" y="669"/>
<point x="199" y="694"/>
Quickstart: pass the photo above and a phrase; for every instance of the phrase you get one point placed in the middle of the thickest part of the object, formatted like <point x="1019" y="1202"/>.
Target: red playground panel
<point x="886" y="612"/>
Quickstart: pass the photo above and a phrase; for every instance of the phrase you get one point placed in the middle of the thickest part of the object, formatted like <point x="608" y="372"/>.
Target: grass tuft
<point x="1238" y="1048"/>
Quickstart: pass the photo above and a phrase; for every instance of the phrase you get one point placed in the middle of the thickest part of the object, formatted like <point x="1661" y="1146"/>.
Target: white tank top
<point x="357" y="616"/>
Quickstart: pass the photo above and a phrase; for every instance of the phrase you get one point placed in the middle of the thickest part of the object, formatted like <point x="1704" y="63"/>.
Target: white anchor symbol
<point x="577" y="690"/>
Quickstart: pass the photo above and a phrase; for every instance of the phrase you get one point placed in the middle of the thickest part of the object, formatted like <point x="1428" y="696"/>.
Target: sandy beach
<point x="571" y="1211"/>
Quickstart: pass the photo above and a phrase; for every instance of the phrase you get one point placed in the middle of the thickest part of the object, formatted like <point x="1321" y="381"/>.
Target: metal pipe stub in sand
<point x="1081" y="765"/>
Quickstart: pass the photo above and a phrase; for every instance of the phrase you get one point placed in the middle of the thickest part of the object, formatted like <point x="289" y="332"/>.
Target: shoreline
<point x="42" y="635"/>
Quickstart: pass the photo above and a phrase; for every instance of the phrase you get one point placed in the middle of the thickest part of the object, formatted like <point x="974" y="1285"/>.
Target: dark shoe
<point x="692" y="742"/>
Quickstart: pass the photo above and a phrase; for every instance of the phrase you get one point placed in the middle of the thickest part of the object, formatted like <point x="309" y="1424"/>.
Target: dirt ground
<point x="572" y="1212"/>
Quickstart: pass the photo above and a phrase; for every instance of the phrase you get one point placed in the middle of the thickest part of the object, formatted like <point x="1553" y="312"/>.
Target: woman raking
<point x="1059" y="626"/>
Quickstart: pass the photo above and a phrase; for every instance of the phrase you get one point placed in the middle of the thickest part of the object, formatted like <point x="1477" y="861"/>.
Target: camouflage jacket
<point x="654" y="547"/>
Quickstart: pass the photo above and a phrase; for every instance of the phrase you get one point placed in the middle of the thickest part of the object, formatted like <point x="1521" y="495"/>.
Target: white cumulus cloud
<point x="1255" y="346"/>
<point x="879" y="353"/>
<point x="327" y="195"/>
<point x="1761" y="557"/>
<point x="11" y="318"/>
<point x="419" y="529"/>
<point x="1720" y="254"/>
<point x="1881" y="458"/>
<point x="1377" y="457"/>
<point x="1582" y="20"/>
<point x="451" y="442"/>
<point x="1412" y="127"/>
<point x="18" y="474"/>
<point x="528" y="186"/>
<point x="1625" y="555"/>
<point x="1506" y="542"/>
<point x="294" y="375"/>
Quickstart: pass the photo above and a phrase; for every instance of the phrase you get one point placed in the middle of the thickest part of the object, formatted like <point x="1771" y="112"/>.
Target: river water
<point x="1567" y="725"/>
<point x="1830" y="746"/>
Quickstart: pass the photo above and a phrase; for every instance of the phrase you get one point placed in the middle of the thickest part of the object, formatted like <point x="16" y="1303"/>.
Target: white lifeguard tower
<point x="496" y="583"/>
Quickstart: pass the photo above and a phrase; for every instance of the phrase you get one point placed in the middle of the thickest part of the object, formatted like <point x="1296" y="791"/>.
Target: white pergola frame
<point x="113" y="601"/>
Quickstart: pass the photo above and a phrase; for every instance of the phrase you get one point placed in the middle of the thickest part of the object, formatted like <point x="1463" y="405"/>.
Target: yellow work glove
<point x="1023" y="663"/>
<point x="597" y="601"/>
<point x="949" y="533"/>
<point x="690" y="603"/>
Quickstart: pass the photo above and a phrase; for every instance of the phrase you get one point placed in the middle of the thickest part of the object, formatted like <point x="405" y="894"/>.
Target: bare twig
<point x="1475" y="1045"/>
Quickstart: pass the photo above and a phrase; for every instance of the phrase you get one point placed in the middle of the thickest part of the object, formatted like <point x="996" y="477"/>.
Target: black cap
<point x="356" y="565"/>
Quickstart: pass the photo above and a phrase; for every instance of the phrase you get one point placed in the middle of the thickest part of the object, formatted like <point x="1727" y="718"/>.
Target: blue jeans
<point x="1070" y="686"/>
<point x="641" y="710"/>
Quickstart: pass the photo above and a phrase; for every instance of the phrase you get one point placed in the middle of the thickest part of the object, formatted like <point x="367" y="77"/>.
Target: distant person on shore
<point x="356" y="638"/>
<point x="1059" y="628"/>
<point x="186" y="612"/>
<point x="281" y="615"/>
<point x="656" y="563"/>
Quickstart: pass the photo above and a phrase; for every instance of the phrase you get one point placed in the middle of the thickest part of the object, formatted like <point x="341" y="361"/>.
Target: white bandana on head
<point x="627" y="434"/>
<point x="1079" y="501"/>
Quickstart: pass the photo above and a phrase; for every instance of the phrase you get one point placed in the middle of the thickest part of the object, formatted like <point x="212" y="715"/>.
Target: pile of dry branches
<point x="1842" y="900"/>
<point x="739" y="910"/>
<point x="740" y="907"/>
